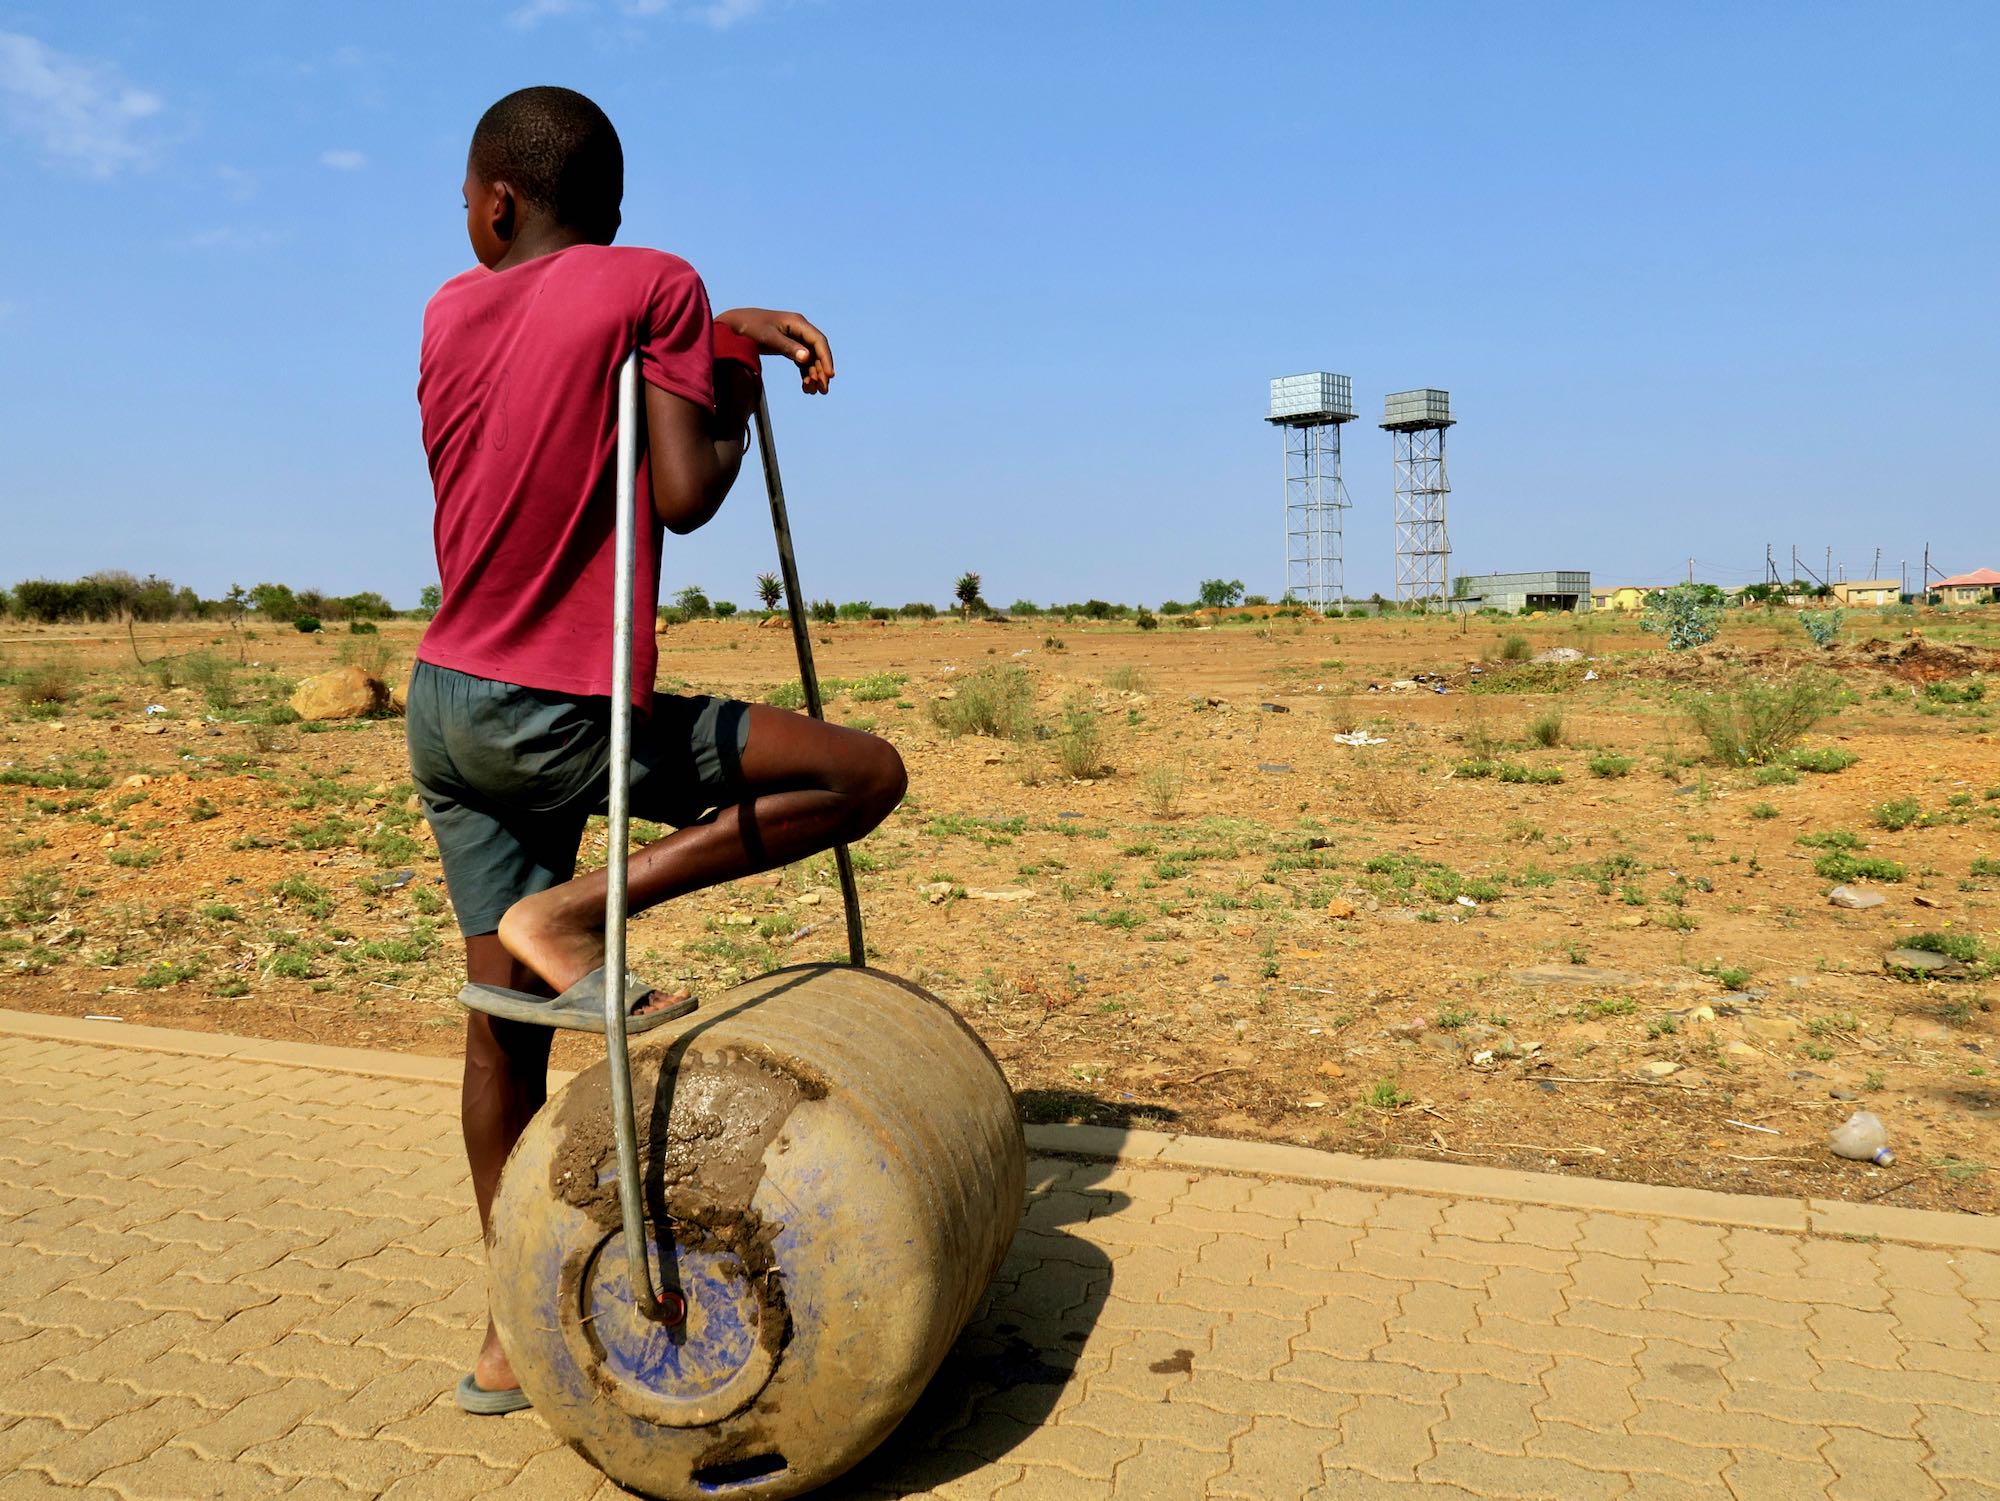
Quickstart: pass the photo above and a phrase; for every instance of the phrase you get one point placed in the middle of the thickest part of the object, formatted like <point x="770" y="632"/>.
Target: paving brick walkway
<point x="225" y="1276"/>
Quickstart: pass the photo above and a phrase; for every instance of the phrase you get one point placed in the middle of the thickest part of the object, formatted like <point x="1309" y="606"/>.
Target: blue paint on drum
<point x="688" y="1360"/>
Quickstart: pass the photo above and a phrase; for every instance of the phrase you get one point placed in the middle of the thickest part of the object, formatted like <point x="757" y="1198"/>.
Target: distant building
<point x="1979" y="587"/>
<point x="1869" y="593"/>
<point x="1515" y="592"/>
<point x="1627" y="597"/>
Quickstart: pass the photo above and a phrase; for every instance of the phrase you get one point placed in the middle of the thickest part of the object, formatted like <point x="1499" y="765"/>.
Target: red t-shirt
<point x="518" y="386"/>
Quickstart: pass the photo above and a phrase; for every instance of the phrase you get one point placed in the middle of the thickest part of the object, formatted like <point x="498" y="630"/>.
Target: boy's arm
<point x="789" y="335"/>
<point x="694" y="455"/>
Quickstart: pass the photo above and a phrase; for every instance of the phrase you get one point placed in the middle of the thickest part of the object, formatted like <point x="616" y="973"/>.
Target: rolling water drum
<point x="819" y="1171"/>
<point x="833" y="1170"/>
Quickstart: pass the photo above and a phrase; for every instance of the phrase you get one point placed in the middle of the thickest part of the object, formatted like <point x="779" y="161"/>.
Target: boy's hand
<point x="791" y="335"/>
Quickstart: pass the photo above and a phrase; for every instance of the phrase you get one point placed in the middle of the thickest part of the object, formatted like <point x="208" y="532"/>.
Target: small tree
<point x="967" y="592"/>
<point x="770" y="589"/>
<point x="1683" y="615"/>
<point x="1822" y="626"/>
<point x="429" y="598"/>
<point x="1219" y="594"/>
<point x="692" y="602"/>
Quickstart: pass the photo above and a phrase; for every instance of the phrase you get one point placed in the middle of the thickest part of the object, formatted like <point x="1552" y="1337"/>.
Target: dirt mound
<point x="1920" y="660"/>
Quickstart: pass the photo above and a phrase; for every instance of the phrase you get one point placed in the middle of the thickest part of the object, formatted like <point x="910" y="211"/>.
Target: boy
<point x="508" y="715"/>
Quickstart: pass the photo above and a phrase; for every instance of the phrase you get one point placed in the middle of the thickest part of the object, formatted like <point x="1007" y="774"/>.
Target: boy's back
<point x="517" y="387"/>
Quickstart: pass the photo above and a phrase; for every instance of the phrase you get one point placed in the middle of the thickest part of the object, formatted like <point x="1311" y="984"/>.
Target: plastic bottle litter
<point x="1860" y="1138"/>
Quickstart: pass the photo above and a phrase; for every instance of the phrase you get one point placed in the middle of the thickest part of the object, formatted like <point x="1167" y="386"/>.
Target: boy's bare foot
<point x="492" y="1371"/>
<point x="539" y="931"/>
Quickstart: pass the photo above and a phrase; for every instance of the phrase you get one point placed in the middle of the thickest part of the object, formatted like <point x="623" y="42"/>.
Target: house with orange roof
<point x="1979" y="587"/>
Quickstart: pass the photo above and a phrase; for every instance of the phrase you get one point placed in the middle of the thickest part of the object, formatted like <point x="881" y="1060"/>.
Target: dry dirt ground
<point x="1238" y="925"/>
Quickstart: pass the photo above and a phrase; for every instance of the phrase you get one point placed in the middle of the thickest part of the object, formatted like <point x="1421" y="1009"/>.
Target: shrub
<point x="996" y="701"/>
<point x="1515" y="649"/>
<point x="1080" y="745"/>
<point x="1822" y="626"/>
<point x="790" y="695"/>
<point x="53" y="680"/>
<point x="1162" y="785"/>
<point x="1546" y="730"/>
<point x="1825" y="761"/>
<point x="1684" y="614"/>
<point x="918" y="610"/>
<point x="1606" y="764"/>
<point x="1986" y="865"/>
<point x="692" y="602"/>
<point x="305" y="625"/>
<point x="1127" y="679"/>
<point x="1535" y="776"/>
<point x="362" y="628"/>
<point x="1838" y="865"/>
<point x="1755" y="722"/>
<point x="825" y="611"/>
<point x="1898" y="813"/>
<point x="1762" y="811"/>
<point x="1027" y="609"/>
<point x="214" y="677"/>
<point x="1146" y="620"/>
<point x="855" y="609"/>
<point x="723" y="608"/>
<point x="1955" y="693"/>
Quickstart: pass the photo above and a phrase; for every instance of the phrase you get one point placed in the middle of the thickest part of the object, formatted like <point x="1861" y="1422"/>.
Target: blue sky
<point x="1699" y="277"/>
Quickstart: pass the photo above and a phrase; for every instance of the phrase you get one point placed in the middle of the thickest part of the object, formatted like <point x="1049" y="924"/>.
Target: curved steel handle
<point x="795" y="606"/>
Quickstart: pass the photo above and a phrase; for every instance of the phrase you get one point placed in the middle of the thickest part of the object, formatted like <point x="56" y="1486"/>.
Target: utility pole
<point x="1876" y="571"/>
<point x="1690" y="570"/>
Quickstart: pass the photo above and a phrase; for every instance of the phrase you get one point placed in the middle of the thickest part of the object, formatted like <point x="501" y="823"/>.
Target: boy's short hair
<point x="558" y="151"/>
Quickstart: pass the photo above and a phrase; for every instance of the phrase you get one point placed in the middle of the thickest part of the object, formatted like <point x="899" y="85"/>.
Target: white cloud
<point x="82" y="115"/>
<point x="342" y="160"/>
<point x="534" y="12"/>
<point x="721" y="14"/>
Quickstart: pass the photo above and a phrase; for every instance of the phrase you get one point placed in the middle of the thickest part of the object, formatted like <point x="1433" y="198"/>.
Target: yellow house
<point x="1628" y="597"/>
<point x="1868" y="593"/>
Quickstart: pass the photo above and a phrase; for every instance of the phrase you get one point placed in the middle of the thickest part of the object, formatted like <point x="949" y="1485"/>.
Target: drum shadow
<point x="1002" y="1379"/>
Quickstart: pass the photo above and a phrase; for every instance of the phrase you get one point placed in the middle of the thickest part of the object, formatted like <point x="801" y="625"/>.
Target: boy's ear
<point x="503" y="212"/>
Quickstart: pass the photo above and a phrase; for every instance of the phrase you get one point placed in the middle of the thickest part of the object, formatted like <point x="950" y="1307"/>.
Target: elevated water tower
<point x="1310" y="409"/>
<point x="1417" y="420"/>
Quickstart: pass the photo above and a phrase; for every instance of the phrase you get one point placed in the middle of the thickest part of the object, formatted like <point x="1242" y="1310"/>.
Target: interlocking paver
<point x="232" y="1279"/>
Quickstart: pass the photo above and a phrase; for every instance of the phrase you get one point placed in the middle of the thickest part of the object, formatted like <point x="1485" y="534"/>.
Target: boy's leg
<point x="506" y="1081"/>
<point x="805" y="787"/>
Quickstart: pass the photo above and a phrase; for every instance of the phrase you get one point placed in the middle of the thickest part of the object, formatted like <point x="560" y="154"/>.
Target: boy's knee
<point x="885" y="780"/>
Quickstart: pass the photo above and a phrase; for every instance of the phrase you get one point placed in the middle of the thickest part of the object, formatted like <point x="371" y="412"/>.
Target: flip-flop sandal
<point x="578" y="1009"/>
<point x="477" y="1400"/>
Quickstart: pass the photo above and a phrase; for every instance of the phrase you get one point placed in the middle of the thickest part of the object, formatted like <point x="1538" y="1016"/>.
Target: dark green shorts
<point x="508" y="776"/>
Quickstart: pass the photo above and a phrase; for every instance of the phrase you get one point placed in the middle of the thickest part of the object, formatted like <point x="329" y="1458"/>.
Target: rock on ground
<point x="344" y="693"/>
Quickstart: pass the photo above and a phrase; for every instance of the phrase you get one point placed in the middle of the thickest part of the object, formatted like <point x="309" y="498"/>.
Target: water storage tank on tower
<point x="837" y="1166"/>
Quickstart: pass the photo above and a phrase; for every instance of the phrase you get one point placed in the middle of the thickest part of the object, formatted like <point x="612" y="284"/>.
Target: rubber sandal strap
<point x="578" y="1009"/>
<point x="477" y="1400"/>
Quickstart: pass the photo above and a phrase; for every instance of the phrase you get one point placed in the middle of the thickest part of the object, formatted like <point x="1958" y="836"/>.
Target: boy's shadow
<point x="1008" y="1369"/>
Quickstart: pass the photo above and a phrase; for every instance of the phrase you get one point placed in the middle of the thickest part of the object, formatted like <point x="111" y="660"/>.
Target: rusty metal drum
<point x="834" y="1170"/>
